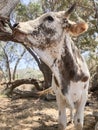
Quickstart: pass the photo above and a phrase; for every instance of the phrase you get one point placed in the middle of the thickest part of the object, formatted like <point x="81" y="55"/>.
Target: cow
<point x="50" y="37"/>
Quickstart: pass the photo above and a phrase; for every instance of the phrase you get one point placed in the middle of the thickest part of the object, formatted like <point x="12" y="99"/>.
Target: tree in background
<point x="10" y="57"/>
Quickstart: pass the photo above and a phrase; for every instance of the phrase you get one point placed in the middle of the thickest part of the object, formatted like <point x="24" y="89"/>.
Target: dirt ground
<point x="36" y="114"/>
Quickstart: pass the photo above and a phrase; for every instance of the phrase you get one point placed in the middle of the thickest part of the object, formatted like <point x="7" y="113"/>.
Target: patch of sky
<point x="27" y="60"/>
<point x="23" y="65"/>
<point x="96" y="1"/>
<point x="86" y="54"/>
<point x="26" y="2"/>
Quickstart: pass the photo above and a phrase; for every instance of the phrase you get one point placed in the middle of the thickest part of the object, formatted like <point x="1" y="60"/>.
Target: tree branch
<point x="30" y="94"/>
<point x="12" y="85"/>
<point x="17" y="62"/>
<point x="7" y="65"/>
<point x="96" y="12"/>
<point x="6" y="7"/>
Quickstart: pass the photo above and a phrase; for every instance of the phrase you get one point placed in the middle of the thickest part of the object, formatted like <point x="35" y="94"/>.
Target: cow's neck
<point x="52" y="57"/>
<point x="50" y="53"/>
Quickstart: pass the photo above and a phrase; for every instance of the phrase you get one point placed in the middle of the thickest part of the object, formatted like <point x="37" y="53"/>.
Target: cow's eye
<point x="49" y="18"/>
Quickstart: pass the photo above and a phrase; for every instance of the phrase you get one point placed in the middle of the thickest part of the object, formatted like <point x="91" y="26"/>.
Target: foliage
<point x="9" y="54"/>
<point x="31" y="11"/>
<point x="29" y="73"/>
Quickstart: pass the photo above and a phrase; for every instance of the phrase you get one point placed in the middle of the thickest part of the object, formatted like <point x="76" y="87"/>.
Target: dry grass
<point x="30" y="114"/>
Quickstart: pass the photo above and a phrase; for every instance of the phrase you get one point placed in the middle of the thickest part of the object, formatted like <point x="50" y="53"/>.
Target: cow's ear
<point x="78" y="28"/>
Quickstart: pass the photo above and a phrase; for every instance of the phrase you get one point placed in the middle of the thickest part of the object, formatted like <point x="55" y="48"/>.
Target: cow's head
<point x="49" y="28"/>
<point x="49" y="36"/>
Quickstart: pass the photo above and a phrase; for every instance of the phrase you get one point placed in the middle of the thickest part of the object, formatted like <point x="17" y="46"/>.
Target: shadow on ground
<point x="31" y="114"/>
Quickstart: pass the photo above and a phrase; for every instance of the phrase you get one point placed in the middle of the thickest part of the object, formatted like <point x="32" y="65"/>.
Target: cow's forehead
<point x="59" y="14"/>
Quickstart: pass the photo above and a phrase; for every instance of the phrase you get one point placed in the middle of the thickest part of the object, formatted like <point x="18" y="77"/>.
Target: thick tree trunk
<point x="94" y="87"/>
<point x="7" y="66"/>
<point x="7" y="6"/>
<point x="47" y="75"/>
<point x="43" y="68"/>
<point x="17" y="62"/>
<point x="30" y="94"/>
<point x="12" y="85"/>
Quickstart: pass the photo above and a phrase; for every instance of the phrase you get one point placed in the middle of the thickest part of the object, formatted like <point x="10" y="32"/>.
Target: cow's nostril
<point x="15" y="25"/>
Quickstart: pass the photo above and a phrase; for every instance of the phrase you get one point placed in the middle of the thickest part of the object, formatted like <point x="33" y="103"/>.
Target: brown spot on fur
<point x="73" y="65"/>
<point x="43" y="35"/>
<point x="54" y="62"/>
<point x="35" y="33"/>
<point x="59" y="113"/>
<point x="78" y="120"/>
<point x="84" y="79"/>
<point x="68" y="63"/>
<point x="47" y="31"/>
<point x="85" y="86"/>
<point x="56" y="81"/>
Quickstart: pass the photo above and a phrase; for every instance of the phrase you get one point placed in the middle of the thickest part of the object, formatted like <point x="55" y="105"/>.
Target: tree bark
<point x="7" y="6"/>
<point x="94" y="87"/>
<point x="17" y="62"/>
<point x="7" y="66"/>
<point x="47" y="75"/>
<point x="30" y="94"/>
<point x="96" y="12"/>
<point x="43" y="68"/>
<point x="12" y="85"/>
